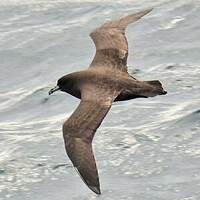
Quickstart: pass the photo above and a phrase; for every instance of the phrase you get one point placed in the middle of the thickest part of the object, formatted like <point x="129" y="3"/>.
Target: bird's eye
<point x="60" y="82"/>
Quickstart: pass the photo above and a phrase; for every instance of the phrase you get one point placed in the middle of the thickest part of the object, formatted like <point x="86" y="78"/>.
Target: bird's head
<point x="61" y="85"/>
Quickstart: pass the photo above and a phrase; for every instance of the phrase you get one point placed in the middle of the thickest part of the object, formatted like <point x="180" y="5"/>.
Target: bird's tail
<point x="157" y="85"/>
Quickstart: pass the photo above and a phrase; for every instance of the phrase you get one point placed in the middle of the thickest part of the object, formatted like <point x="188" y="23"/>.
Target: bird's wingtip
<point x="95" y="189"/>
<point x="146" y="11"/>
<point x="150" y="9"/>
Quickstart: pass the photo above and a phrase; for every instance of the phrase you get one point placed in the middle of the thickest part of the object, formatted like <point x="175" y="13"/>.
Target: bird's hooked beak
<point x="51" y="91"/>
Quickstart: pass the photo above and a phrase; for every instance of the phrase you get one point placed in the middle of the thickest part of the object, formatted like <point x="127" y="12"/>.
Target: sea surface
<point x="146" y="149"/>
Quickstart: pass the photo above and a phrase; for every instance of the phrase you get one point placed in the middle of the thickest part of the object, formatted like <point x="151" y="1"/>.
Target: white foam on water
<point x="173" y="23"/>
<point x="137" y="153"/>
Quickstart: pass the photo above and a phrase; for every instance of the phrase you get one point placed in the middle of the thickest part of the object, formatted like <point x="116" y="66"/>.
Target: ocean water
<point x="146" y="149"/>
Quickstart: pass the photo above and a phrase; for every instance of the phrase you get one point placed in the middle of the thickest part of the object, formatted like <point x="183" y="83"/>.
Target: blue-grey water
<point x="146" y="149"/>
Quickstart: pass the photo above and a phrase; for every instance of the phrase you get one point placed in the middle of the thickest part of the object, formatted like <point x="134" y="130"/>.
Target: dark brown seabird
<point x="105" y="81"/>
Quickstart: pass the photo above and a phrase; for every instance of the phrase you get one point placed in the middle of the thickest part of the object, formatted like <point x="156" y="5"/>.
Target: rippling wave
<point x="146" y="148"/>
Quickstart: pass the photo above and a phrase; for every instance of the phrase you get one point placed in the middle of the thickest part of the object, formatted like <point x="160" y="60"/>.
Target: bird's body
<point x="123" y="82"/>
<point x="105" y="81"/>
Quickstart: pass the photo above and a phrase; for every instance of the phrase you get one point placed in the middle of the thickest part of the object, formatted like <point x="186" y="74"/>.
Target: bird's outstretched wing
<point x="79" y="130"/>
<point x="111" y="43"/>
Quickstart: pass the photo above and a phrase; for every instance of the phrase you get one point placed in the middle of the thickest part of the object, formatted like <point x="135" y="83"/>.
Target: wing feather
<point x="111" y="43"/>
<point x="78" y="133"/>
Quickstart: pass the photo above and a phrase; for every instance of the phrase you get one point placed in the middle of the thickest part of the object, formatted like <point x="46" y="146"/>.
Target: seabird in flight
<point x="105" y="81"/>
